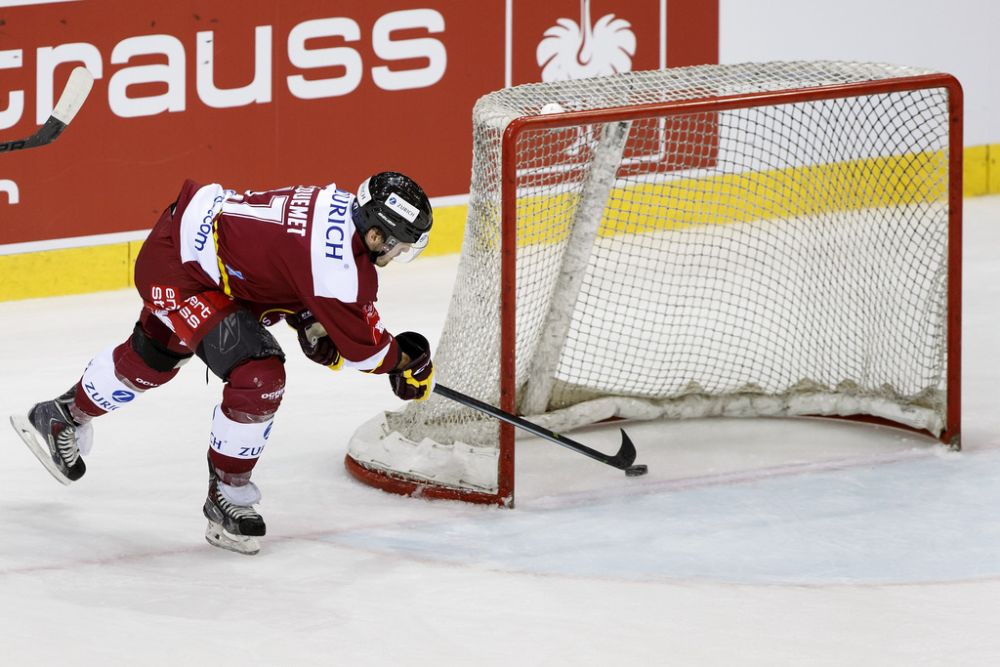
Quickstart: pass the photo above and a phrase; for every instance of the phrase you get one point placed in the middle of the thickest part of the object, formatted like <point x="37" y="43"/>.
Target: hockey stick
<point x="623" y="460"/>
<point x="72" y="98"/>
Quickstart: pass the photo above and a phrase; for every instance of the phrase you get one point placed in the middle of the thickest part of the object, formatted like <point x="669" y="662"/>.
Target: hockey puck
<point x="637" y="470"/>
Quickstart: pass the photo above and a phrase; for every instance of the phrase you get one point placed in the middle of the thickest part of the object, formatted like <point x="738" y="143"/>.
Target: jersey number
<point x="273" y="210"/>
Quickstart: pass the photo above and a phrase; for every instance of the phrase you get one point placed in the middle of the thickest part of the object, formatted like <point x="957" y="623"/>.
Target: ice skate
<point x="55" y="438"/>
<point x="233" y="523"/>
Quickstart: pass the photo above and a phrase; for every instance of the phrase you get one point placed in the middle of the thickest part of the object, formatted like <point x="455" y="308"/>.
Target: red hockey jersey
<point x="287" y="250"/>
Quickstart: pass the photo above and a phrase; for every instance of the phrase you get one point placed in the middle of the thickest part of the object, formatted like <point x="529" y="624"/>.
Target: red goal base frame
<point x="407" y="487"/>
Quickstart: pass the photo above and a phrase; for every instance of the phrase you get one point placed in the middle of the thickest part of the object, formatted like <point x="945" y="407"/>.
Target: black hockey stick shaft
<point x="621" y="460"/>
<point x="72" y="98"/>
<point x="47" y="133"/>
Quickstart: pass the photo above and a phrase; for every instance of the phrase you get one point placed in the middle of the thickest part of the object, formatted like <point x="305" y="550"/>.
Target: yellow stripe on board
<point x="993" y="170"/>
<point x="133" y="253"/>
<point x="976" y="170"/>
<point x="106" y="267"/>
<point x="795" y="192"/>
<point x="447" y="232"/>
<point x="67" y="271"/>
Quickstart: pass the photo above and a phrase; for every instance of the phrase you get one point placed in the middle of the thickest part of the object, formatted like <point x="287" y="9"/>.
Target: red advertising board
<point x="260" y="94"/>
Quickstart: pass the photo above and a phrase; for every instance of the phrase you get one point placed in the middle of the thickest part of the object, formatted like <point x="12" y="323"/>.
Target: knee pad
<point x="116" y="376"/>
<point x="238" y="338"/>
<point x="254" y="389"/>
<point x="154" y="354"/>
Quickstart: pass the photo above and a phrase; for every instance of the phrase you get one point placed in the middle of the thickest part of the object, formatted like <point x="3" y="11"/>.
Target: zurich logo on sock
<point x="122" y="396"/>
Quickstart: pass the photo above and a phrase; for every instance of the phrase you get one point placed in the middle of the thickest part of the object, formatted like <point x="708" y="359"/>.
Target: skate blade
<point x="38" y="447"/>
<point x="218" y="536"/>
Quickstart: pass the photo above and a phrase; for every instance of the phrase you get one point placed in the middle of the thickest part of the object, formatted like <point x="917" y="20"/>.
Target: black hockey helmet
<point x="397" y="206"/>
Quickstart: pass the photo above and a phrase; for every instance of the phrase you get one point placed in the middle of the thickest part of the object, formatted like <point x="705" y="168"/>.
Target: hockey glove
<point x="415" y="381"/>
<point x="314" y="341"/>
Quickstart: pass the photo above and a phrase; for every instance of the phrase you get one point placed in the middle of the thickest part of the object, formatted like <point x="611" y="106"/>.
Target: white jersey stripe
<point x="197" y="241"/>
<point x="334" y="272"/>
<point x="369" y="364"/>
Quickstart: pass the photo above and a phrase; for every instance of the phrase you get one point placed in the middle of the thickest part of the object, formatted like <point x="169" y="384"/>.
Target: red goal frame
<point x="504" y="496"/>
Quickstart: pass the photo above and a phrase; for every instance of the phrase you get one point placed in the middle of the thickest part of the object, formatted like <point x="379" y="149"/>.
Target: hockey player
<point x="218" y="268"/>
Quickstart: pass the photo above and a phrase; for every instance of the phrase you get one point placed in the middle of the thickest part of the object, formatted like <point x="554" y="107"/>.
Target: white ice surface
<point x="751" y="542"/>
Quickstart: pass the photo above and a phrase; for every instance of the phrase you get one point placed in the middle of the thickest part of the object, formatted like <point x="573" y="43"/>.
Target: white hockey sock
<point x="238" y="440"/>
<point x="103" y="386"/>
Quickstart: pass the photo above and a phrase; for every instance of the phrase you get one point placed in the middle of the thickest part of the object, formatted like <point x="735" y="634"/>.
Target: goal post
<point x="770" y="239"/>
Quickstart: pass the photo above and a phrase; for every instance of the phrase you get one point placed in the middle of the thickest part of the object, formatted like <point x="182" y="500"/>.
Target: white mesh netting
<point x="768" y="260"/>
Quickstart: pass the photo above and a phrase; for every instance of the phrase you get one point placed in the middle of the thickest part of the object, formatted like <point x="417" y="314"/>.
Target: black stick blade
<point x="626" y="453"/>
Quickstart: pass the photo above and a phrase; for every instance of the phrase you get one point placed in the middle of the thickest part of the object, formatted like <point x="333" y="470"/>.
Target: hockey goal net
<point x="732" y="240"/>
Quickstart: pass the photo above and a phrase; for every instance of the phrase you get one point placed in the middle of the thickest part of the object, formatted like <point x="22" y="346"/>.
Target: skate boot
<point x="55" y="437"/>
<point x="233" y="523"/>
